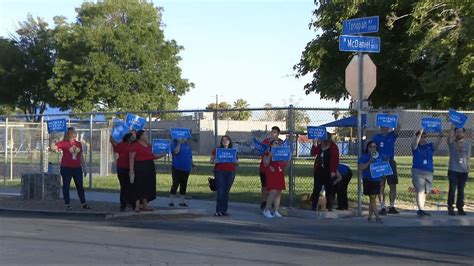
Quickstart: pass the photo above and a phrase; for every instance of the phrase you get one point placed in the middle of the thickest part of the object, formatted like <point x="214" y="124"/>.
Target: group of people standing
<point x="137" y="175"/>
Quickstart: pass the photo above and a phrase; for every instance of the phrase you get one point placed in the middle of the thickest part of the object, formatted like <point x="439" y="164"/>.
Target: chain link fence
<point x="25" y="141"/>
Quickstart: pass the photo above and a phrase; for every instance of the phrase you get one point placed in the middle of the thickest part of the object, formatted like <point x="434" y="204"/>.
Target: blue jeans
<point x="457" y="181"/>
<point x="67" y="174"/>
<point x="224" y="181"/>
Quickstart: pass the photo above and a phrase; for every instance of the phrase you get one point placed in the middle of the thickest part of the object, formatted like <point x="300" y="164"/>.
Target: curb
<point x="336" y="214"/>
<point x="104" y="215"/>
<point x="197" y="212"/>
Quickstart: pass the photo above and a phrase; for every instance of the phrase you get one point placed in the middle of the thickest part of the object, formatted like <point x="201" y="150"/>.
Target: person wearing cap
<point x="325" y="169"/>
<point x="422" y="169"/>
<point x="459" y="166"/>
<point x="385" y="141"/>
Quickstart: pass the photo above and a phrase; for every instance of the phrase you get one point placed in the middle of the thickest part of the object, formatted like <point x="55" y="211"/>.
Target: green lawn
<point x="246" y="187"/>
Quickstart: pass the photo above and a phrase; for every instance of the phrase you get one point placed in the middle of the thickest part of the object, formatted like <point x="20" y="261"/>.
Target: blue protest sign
<point x="161" y="146"/>
<point x="226" y="155"/>
<point x="386" y="120"/>
<point x="349" y="43"/>
<point x="282" y="153"/>
<point x="360" y="25"/>
<point x="57" y="125"/>
<point x="379" y="169"/>
<point x="119" y="130"/>
<point x="180" y="133"/>
<point x="135" y="122"/>
<point x="431" y="124"/>
<point x="457" y="119"/>
<point x="260" y="147"/>
<point x="317" y="133"/>
<point x="285" y="143"/>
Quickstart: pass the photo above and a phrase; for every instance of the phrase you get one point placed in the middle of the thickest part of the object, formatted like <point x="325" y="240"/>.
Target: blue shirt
<point x="365" y="158"/>
<point x="343" y="169"/>
<point x="386" y="144"/>
<point x="182" y="161"/>
<point x="423" y="157"/>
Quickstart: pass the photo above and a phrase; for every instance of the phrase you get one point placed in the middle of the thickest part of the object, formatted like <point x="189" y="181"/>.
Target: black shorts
<point x="392" y="179"/>
<point x="371" y="187"/>
<point x="263" y="180"/>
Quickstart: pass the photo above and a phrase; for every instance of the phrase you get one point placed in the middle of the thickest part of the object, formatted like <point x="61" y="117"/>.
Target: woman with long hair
<point x="224" y="174"/>
<point x="325" y="170"/>
<point x="123" y="168"/>
<point x="372" y="185"/>
<point x="142" y="172"/>
<point x="73" y="166"/>
<point x="275" y="182"/>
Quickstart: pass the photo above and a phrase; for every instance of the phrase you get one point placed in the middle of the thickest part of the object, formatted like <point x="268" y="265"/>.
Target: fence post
<point x="42" y="157"/>
<point x="216" y="129"/>
<point x="90" y="150"/>
<point x="5" y="147"/>
<point x="291" y="181"/>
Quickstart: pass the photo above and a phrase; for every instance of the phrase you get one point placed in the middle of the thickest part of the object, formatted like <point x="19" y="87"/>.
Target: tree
<point x="26" y="64"/>
<point x="222" y="115"/>
<point x="426" y="56"/>
<point x="241" y="114"/>
<point x="301" y="117"/>
<point x="115" y="57"/>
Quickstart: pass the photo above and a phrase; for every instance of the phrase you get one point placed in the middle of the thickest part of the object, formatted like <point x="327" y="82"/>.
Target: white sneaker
<point x="277" y="214"/>
<point x="267" y="214"/>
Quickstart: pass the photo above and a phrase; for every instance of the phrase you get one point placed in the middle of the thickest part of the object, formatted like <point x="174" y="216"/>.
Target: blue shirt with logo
<point x="386" y="144"/>
<point x="365" y="158"/>
<point x="423" y="157"/>
<point x="182" y="161"/>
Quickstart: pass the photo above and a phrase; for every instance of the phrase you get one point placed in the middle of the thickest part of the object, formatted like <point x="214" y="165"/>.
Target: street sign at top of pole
<point x="360" y="25"/>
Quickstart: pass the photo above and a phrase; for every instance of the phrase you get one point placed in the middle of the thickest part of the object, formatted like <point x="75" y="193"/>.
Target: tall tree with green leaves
<point x="221" y="115"/>
<point x="115" y="57"/>
<point x="241" y="114"/>
<point x="26" y="64"/>
<point x="426" y="53"/>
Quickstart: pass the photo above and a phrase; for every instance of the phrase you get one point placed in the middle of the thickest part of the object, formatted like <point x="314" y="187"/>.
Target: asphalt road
<point x="217" y="240"/>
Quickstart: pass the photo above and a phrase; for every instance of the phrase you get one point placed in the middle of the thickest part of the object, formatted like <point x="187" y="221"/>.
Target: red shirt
<point x="230" y="167"/>
<point x="68" y="148"/>
<point x="123" y="151"/>
<point x="333" y="160"/>
<point x="142" y="153"/>
<point x="266" y="142"/>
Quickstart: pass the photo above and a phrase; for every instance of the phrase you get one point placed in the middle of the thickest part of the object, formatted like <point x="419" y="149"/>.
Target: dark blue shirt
<point x="182" y="161"/>
<point x="386" y="144"/>
<point x="423" y="157"/>
<point x="365" y="158"/>
<point x="343" y="169"/>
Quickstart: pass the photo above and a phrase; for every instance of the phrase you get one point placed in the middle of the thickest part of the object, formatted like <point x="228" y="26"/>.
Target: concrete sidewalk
<point x="245" y="213"/>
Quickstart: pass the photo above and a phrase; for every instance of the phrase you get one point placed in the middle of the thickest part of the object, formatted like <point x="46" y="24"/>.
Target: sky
<point x="233" y="48"/>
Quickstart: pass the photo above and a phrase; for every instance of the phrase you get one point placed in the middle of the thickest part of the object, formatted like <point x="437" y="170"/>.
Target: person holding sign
<point x="459" y="166"/>
<point x="371" y="184"/>
<point x="385" y="141"/>
<point x="275" y="181"/>
<point x="142" y="172"/>
<point x="274" y="135"/>
<point x="181" y="167"/>
<point x="224" y="174"/>
<point x="325" y="169"/>
<point x="422" y="170"/>
<point x="73" y="166"/>
<point x="123" y="168"/>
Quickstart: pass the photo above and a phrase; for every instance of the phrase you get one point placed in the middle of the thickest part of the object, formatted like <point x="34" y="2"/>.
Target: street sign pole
<point x="359" y="132"/>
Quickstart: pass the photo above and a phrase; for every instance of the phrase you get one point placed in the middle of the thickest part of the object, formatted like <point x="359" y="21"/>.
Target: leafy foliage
<point x="426" y="57"/>
<point x="115" y="57"/>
